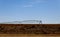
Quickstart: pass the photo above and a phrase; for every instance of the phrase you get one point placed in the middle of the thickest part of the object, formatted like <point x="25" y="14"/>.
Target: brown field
<point x="29" y="30"/>
<point x="29" y="35"/>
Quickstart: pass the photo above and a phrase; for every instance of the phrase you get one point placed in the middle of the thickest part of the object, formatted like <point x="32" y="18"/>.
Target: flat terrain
<point x="30" y="35"/>
<point x="29" y="30"/>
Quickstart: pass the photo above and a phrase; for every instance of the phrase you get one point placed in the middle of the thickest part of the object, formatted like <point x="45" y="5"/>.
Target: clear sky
<point x="16" y="10"/>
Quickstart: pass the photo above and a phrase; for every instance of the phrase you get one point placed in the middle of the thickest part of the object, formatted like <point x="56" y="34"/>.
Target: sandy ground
<point x="26" y="35"/>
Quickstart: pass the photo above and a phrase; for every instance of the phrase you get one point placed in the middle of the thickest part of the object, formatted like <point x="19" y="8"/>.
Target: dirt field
<point x="26" y="35"/>
<point x="29" y="30"/>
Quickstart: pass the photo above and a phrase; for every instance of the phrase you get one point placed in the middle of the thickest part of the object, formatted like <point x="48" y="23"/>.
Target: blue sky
<point x="17" y="10"/>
